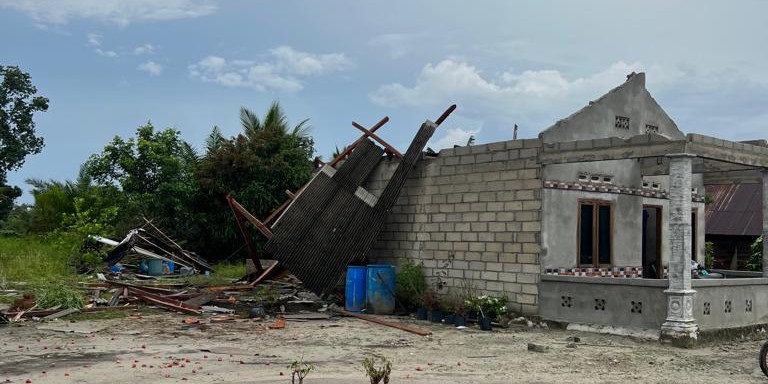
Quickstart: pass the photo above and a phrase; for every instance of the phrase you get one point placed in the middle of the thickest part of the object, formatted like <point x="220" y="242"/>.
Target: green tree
<point x="256" y="167"/>
<point x="18" y="103"/>
<point x="155" y="172"/>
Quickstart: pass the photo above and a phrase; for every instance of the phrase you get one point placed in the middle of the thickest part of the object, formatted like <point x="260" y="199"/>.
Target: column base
<point x="680" y="333"/>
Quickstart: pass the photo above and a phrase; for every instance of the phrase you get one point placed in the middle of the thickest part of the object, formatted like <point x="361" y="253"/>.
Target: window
<point x="594" y="233"/>
<point x="621" y="122"/>
<point x="651" y="129"/>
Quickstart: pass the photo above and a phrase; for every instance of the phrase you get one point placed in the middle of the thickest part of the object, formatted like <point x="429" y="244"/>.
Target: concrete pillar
<point x="680" y="326"/>
<point x="765" y="223"/>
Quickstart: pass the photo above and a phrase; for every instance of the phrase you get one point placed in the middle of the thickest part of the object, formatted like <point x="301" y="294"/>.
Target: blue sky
<point x="108" y="66"/>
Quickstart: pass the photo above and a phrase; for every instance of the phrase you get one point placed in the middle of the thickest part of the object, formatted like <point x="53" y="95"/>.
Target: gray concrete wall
<point x="473" y="215"/>
<point x="730" y="303"/>
<point x="718" y="303"/>
<point x="618" y="302"/>
<point x="597" y="120"/>
<point x="560" y="227"/>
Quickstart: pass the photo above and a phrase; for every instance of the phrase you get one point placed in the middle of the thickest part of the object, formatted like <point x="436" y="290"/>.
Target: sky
<point x="109" y="66"/>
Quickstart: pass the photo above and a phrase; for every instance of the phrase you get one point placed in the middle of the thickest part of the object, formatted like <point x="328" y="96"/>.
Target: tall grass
<point x="33" y="259"/>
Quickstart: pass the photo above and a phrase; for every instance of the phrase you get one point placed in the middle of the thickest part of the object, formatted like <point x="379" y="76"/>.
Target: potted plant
<point x="410" y="288"/>
<point x="489" y="308"/>
<point x="432" y="305"/>
<point x="460" y="313"/>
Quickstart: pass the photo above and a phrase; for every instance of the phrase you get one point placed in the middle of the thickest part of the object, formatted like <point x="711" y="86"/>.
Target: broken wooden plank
<point x="63" y="313"/>
<point x="352" y="146"/>
<point x="374" y="319"/>
<point x="201" y="299"/>
<point x="165" y="302"/>
<point x="264" y="274"/>
<point x="47" y="312"/>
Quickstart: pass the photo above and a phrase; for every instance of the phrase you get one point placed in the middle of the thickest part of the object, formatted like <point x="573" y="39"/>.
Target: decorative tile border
<point x="608" y="188"/>
<point x="619" y="272"/>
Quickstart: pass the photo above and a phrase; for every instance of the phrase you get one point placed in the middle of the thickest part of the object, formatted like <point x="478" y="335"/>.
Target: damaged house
<point x="595" y="222"/>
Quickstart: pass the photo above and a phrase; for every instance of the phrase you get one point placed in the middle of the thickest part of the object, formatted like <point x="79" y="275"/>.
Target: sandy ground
<point x="156" y="349"/>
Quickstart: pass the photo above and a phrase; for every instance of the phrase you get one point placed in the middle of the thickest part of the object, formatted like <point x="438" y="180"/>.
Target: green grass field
<point x="32" y="260"/>
<point x="36" y="260"/>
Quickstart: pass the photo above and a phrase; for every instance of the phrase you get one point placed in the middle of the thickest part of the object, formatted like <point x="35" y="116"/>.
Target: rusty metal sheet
<point x="735" y="209"/>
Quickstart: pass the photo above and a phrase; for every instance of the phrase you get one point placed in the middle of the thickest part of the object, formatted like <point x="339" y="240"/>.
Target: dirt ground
<point x="158" y="348"/>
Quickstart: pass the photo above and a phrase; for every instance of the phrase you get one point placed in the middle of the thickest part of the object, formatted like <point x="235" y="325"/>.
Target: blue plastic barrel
<point x="154" y="267"/>
<point x="354" y="293"/>
<point x="381" y="289"/>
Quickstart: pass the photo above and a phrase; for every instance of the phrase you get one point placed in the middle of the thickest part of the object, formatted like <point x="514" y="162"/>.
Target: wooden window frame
<point x="596" y="203"/>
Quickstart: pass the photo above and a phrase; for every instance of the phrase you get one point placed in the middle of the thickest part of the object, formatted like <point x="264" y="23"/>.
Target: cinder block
<point x="503" y="237"/>
<point x="479" y="227"/>
<point x="469" y="236"/>
<point x="485" y="237"/>
<point x="532" y="226"/>
<point x="531" y="248"/>
<point x="478" y="207"/>
<point x="496" y="267"/>
<point x="527" y="278"/>
<point x="513" y="287"/>
<point x="527" y="258"/>
<point x="531" y="289"/>
<point x="477" y="266"/>
<point x="523" y="298"/>
<point x="453" y="236"/>
<point x="531" y="268"/>
<point x="513" y="267"/>
<point x="477" y="247"/>
<point x="461" y="246"/>
<point x="495" y="206"/>
<point x="462" y="227"/>
<point x="487" y="216"/>
<point x="494" y="286"/>
<point x="497" y="227"/>
<point x="512" y="247"/>
<point x="508" y="257"/>
<point x="470" y="197"/>
<point x="489" y="275"/>
<point x="472" y="256"/>
<point x="508" y="277"/>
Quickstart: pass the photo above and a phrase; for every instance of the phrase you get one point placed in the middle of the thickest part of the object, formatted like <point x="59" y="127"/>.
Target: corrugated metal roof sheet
<point x="736" y="209"/>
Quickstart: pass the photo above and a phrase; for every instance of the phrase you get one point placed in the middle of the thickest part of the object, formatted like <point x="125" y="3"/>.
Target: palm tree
<point x="273" y="120"/>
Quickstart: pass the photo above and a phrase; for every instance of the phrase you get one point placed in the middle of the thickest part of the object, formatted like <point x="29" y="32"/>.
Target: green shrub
<point x="58" y="294"/>
<point x="411" y="284"/>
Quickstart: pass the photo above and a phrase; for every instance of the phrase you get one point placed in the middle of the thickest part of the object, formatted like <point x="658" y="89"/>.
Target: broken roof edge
<point x="632" y="78"/>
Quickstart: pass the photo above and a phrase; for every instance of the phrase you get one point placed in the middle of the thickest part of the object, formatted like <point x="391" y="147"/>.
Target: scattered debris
<point x="63" y="313"/>
<point x="378" y="320"/>
<point x="533" y="347"/>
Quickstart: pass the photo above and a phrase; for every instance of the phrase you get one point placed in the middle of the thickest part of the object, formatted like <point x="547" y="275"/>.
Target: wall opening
<point x="651" y="242"/>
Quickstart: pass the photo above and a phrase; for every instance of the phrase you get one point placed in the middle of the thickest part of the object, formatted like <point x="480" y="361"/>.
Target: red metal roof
<point x="736" y="209"/>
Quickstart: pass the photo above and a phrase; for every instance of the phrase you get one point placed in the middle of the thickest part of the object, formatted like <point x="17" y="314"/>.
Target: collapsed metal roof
<point x="735" y="209"/>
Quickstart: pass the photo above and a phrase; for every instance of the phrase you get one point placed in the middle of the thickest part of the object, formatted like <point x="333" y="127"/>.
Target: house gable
<point x="625" y="111"/>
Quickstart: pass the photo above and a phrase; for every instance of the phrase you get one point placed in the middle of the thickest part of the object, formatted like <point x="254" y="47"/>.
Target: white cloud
<point x="283" y="72"/>
<point x="453" y="136"/>
<point x="94" y="40"/>
<point x="154" y="69"/>
<point x="146" y="49"/>
<point x="107" y="53"/>
<point x="118" y="12"/>
<point x="528" y="98"/>
<point x="702" y="101"/>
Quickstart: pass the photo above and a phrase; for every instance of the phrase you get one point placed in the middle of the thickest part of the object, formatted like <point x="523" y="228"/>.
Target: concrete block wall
<point x="472" y="214"/>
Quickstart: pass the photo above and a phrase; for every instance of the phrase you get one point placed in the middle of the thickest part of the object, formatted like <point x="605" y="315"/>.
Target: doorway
<point x="651" y="242"/>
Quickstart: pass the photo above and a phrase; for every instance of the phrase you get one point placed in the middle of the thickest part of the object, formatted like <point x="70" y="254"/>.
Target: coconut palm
<point x="274" y="119"/>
